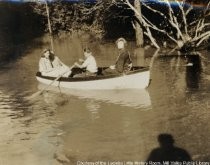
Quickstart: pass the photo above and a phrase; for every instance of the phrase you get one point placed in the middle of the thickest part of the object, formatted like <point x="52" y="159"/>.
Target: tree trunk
<point x="139" y="57"/>
<point x="138" y="29"/>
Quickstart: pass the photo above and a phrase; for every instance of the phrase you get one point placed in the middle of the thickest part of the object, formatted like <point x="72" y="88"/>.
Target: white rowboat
<point x="137" y="78"/>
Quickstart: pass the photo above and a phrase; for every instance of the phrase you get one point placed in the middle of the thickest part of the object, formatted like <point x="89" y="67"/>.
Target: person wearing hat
<point x="123" y="62"/>
<point x="51" y="65"/>
<point x="88" y="66"/>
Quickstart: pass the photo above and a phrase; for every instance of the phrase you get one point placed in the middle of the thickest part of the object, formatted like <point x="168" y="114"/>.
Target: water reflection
<point x="54" y="100"/>
<point x="102" y="125"/>
<point x="193" y="71"/>
<point x="130" y="98"/>
<point x="5" y="116"/>
<point x="28" y="130"/>
<point x="181" y="73"/>
<point x="93" y="107"/>
<point x="12" y="105"/>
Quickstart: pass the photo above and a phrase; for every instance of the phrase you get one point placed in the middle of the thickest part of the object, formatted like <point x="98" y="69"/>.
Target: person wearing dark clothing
<point x="123" y="62"/>
<point x="167" y="151"/>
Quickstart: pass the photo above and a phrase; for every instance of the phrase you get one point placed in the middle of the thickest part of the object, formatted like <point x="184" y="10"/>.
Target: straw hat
<point x="121" y="39"/>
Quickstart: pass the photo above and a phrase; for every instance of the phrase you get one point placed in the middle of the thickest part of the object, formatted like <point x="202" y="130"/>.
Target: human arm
<point x="84" y="64"/>
<point x="81" y="60"/>
<point x="129" y="59"/>
<point x="112" y="66"/>
<point x="128" y="62"/>
<point x="130" y="66"/>
<point x="78" y="65"/>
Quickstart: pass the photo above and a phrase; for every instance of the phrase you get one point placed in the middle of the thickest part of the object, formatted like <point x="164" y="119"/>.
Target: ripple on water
<point x="28" y="129"/>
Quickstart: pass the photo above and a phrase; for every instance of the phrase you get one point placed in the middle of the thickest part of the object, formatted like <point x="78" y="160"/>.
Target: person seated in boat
<point x="88" y="66"/>
<point x="123" y="62"/>
<point x="51" y="65"/>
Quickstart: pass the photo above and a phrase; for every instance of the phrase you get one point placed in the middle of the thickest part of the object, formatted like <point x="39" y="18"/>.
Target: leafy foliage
<point x="70" y="17"/>
<point x="179" y="22"/>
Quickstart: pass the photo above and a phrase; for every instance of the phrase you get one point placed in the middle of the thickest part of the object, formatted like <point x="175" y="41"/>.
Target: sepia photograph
<point x="104" y="82"/>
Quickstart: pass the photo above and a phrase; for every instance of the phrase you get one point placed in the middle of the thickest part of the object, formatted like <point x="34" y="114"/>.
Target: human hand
<point x="81" y="60"/>
<point x="130" y="65"/>
<point x="112" y="67"/>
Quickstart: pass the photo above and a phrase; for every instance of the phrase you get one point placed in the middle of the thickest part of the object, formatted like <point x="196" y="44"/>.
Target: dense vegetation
<point x="18" y="26"/>
<point x="104" y="19"/>
<point x="178" y="22"/>
<point x="22" y="22"/>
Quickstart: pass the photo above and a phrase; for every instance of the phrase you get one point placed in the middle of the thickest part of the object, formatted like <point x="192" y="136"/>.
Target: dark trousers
<point x="78" y="72"/>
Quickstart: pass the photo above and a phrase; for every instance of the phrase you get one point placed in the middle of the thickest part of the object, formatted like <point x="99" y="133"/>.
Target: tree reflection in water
<point x="193" y="73"/>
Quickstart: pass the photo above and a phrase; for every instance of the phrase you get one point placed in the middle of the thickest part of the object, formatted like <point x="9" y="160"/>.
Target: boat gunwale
<point x="93" y="78"/>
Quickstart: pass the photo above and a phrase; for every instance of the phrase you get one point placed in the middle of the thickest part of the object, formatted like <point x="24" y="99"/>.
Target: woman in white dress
<point x="51" y="65"/>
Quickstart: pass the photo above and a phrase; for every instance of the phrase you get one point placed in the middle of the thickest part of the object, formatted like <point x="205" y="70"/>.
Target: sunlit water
<point x="67" y="126"/>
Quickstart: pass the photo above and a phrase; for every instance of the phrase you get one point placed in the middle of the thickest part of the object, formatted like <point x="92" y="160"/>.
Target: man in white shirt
<point x="51" y="65"/>
<point x="89" y="64"/>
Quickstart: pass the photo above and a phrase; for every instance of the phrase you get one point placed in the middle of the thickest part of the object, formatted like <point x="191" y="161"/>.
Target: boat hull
<point x="136" y="80"/>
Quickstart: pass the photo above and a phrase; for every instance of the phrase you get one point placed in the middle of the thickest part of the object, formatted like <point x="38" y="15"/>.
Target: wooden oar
<point x="57" y="78"/>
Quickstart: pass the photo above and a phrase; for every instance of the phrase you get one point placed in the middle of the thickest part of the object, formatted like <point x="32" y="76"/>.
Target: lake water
<point x="72" y="126"/>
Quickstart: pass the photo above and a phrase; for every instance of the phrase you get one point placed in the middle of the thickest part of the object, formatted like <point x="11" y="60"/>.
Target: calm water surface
<point x="66" y="126"/>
